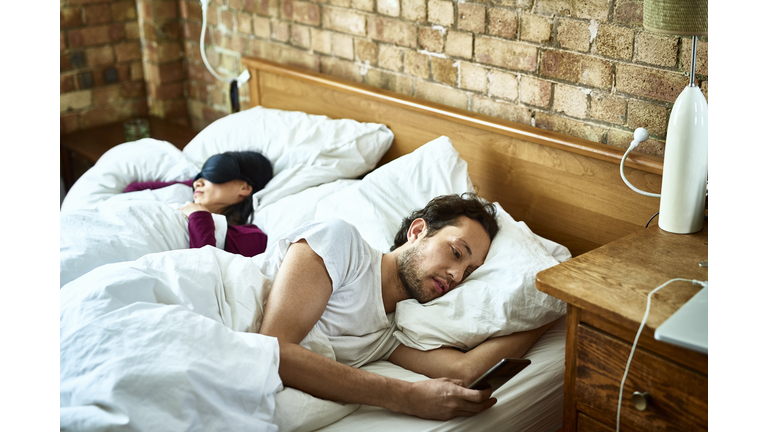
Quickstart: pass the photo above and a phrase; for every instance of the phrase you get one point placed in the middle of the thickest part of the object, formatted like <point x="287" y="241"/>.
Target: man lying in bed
<point x="328" y="277"/>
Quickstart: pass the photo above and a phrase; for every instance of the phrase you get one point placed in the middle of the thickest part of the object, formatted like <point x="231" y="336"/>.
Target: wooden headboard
<point x="564" y="188"/>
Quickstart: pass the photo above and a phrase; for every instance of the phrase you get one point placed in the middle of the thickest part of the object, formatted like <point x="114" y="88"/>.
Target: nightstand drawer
<point x="677" y="395"/>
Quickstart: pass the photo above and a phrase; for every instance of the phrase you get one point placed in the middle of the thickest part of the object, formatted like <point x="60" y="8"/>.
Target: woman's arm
<point x="466" y="366"/>
<point x="246" y="240"/>
<point x="140" y="186"/>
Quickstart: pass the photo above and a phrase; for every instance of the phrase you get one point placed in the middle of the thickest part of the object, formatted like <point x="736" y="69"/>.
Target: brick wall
<point x="102" y="78"/>
<point x="583" y="68"/>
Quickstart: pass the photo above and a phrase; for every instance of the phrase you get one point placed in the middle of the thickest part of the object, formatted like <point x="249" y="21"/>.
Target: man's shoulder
<point x="338" y="226"/>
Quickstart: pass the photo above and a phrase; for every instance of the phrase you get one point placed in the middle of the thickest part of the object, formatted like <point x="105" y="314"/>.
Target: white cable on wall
<point x="243" y="78"/>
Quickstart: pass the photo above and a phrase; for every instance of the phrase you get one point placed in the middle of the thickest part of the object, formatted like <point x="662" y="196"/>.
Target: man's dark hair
<point x="445" y="210"/>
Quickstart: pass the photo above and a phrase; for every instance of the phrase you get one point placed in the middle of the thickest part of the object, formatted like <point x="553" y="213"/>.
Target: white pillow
<point x="288" y="213"/>
<point x="147" y="159"/>
<point x="305" y="150"/>
<point x="378" y="203"/>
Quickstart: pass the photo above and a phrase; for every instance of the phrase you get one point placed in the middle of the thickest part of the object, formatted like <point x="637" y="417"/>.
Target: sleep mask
<point x="222" y="168"/>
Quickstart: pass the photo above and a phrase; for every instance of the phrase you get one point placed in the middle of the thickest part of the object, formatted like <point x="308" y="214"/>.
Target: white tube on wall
<point x="684" y="183"/>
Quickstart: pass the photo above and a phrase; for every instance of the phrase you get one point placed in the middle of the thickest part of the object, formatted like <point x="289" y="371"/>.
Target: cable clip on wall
<point x="234" y="82"/>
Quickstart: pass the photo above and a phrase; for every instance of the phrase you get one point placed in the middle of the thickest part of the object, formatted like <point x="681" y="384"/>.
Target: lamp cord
<point x="623" y="177"/>
<point x="637" y="338"/>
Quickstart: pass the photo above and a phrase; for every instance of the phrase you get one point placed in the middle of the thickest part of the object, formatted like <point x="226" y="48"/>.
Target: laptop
<point x="688" y="326"/>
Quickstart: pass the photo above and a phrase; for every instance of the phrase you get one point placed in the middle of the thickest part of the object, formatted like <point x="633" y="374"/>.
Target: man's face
<point x="434" y="265"/>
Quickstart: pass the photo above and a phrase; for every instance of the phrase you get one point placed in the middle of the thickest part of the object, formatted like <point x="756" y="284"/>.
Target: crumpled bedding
<point x="164" y="343"/>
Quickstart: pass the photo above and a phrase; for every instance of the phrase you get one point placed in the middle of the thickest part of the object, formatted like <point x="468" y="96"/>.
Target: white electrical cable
<point x="243" y="78"/>
<point x="640" y="135"/>
<point x="637" y="338"/>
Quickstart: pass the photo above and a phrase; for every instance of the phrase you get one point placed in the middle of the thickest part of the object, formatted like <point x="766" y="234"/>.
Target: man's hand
<point x="444" y="399"/>
<point x="192" y="207"/>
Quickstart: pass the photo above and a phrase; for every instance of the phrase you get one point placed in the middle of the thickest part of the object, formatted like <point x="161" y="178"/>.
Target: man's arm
<point x="298" y="297"/>
<point x="466" y="366"/>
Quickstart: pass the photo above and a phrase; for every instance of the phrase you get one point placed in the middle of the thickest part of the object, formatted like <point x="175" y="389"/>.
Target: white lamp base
<point x="684" y="183"/>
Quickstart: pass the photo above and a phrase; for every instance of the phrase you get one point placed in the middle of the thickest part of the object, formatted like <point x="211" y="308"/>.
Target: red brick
<point x="268" y="7"/>
<point x="391" y="57"/>
<point x="459" y="44"/>
<point x="88" y="36"/>
<point x="244" y="23"/>
<point x="535" y="91"/>
<point x="441" y="94"/>
<point x="169" y="30"/>
<point x="303" y="12"/>
<point x="97" y="14"/>
<point x="501" y="109"/>
<point x="344" y="21"/>
<point x="191" y="10"/>
<point x="137" y="89"/>
<point x="577" y="68"/>
<point x="502" y="22"/>
<point x="67" y="83"/>
<point x="300" y="36"/>
<point x="388" y="7"/>
<point x="80" y="2"/>
<point x="392" y="31"/>
<point x="573" y="34"/>
<point x="415" y="63"/>
<point x="69" y="123"/>
<point x="609" y="108"/>
<point x="165" y="91"/>
<point x="128" y="51"/>
<point x="235" y="4"/>
<point x="366" y="51"/>
<point x="414" y="10"/>
<point x="570" y="100"/>
<point x="281" y="31"/>
<point x="650" y="116"/>
<point x="431" y="39"/>
<point x="471" y="17"/>
<point x="70" y="17"/>
<point x="137" y="71"/>
<point x="577" y="128"/>
<point x="164" y="73"/>
<point x="656" y="49"/>
<point x="440" y="12"/>
<point x="649" y="82"/>
<point x="444" y="71"/>
<point x="132" y="31"/>
<point x="615" y="41"/>
<point x="124" y="11"/>
<point x="100" y="56"/>
<point x="395" y="82"/>
<point x="165" y="10"/>
<point x="593" y="9"/>
<point x="506" y="54"/>
<point x="340" y="68"/>
<point x="628" y="12"/>
<point x="106" y="95"/>
<point x="62" y="41"/>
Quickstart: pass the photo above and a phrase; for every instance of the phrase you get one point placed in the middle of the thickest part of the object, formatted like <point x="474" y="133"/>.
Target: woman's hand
<point x="192" y="207"/>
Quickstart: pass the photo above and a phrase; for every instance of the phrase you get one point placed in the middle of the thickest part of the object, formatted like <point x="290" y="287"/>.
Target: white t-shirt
<point x="354" y="328"/>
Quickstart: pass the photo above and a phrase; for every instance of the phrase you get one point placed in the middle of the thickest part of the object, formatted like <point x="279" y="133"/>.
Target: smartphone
<point x="500" y="374"/>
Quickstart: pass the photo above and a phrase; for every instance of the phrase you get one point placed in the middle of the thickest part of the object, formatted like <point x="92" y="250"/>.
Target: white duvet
<point x="163" y="343"/>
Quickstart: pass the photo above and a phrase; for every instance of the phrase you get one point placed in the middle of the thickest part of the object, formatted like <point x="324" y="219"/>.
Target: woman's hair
<point x="445" y="210"/>
<point x="250" y="166"/>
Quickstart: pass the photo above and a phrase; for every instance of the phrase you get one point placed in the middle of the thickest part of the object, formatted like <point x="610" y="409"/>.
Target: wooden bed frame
<point x="564" y="188"/>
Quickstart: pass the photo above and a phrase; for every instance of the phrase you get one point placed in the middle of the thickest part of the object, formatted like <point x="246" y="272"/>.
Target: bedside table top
<point x="614" y="280"/>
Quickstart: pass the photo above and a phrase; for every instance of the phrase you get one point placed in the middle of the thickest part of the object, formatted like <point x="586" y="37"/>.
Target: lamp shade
<point x="676" y="17"/>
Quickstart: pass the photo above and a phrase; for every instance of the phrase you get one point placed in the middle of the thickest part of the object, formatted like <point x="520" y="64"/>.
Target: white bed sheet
<point x="532" y="401"/>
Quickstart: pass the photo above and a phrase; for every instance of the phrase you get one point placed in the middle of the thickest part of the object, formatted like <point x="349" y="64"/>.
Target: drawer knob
<point x="640" y="400"/>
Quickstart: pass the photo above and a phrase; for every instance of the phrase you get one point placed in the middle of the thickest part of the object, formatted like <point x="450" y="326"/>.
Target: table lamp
<point x="684" y="181"/>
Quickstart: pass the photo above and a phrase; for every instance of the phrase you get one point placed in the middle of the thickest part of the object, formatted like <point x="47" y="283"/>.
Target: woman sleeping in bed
<point x="224" y="186"/>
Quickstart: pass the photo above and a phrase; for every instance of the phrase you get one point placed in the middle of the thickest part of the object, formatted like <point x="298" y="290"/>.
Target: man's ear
<point x="417" y="228"/>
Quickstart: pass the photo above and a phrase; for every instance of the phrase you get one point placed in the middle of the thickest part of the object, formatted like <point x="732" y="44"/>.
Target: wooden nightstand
<point x="606" y="290"/>
<point x="81" y="149"/>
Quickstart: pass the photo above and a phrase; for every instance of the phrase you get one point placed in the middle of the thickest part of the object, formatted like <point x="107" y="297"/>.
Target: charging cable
<point x="637" y="337"/>
<point x="640" y="135"/>
<point x="239" y="81"/>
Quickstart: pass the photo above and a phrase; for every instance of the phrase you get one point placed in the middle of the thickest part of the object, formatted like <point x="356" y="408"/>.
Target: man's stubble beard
<point x="407" y="272"/>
